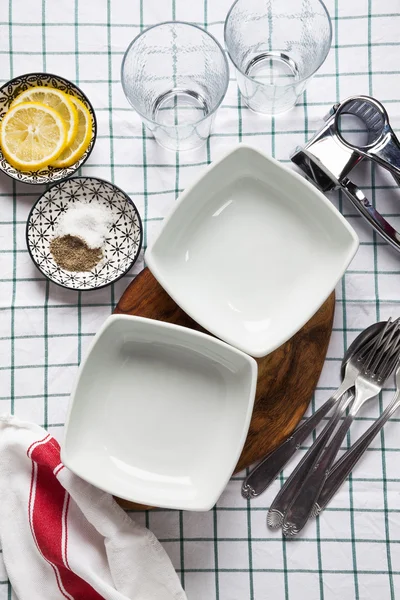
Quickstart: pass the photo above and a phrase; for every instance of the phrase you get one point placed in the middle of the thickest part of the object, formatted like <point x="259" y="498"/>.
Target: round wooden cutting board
<point x="286" y="377"/>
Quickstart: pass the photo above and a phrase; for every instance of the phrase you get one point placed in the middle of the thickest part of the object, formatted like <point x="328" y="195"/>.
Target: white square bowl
<point x="251" y="251"/>
<point x="159" y="413"/>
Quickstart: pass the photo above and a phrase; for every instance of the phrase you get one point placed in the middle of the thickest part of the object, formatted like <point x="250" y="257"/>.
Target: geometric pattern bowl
<point x="121" y="247"/>
<point x="9" y="91"/>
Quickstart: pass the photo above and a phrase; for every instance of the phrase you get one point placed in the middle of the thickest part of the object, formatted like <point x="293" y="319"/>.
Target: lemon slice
<point x="80" y="143"/>
<point x="32" y="135"/>
<point x="56" y="99"/>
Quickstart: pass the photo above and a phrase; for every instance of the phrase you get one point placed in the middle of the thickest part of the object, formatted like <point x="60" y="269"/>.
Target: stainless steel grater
<point x="328" y="159"/>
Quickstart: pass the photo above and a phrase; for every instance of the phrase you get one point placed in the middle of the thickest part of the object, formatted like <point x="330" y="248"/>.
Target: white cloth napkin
<point x="64" y="538"/>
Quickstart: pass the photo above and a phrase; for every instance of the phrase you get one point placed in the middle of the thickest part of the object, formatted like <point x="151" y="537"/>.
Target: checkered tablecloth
<point x="353" y="550"/>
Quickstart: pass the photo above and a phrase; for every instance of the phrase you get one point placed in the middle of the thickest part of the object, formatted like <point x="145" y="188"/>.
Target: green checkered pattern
<point x="353" y="550"/>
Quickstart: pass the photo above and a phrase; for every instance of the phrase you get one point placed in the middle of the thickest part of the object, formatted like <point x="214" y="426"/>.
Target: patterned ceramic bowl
<point x="122" y="245"/>
<point x="9" y="91"/>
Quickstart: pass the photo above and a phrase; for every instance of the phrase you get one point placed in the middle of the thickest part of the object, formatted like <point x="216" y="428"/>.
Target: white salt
<point x="90" y="222"/>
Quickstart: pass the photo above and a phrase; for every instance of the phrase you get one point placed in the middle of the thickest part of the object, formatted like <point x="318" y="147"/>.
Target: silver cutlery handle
<point x="287" y="492"/>
<point x="347" y="462"/>
<point x="303" y="504"/>
<point x="265" y="472"/>
<point x="260" y="478"/>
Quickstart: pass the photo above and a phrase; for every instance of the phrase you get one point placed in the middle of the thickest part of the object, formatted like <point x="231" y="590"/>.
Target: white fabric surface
<point x="353" y="551"/>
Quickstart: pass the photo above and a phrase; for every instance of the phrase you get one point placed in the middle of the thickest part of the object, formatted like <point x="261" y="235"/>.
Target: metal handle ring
<point x="371" y="113"/>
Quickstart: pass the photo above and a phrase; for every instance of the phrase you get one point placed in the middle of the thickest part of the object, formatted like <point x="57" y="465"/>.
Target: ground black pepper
<point x="72" y="253"/>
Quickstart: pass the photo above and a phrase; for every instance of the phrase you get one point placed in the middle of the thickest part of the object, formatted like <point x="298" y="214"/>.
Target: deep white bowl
<point x="251" y="251"/>
<point x="159" y="413"/>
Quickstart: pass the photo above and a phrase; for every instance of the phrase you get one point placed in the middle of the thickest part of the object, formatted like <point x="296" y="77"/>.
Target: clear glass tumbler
<point x="276" y="46"/>
<point x="175" y="75"/>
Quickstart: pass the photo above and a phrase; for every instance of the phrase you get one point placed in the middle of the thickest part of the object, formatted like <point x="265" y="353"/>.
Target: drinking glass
<point x="276" y="46"/>
<point x="175" y="75"/>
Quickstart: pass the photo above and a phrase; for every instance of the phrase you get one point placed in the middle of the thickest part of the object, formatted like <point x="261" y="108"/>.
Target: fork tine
<point x="369" y="356"/>
<point x="391" y="350"/>
<point x="365" y="349"/>
<point x="380" y="358"/>
<point x="387" y="356"/>
<point x="379" y="349"/>
<point x="392" y="361"/>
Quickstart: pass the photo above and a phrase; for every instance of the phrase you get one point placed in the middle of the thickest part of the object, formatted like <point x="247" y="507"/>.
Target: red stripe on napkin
<point x="48" y="512"/>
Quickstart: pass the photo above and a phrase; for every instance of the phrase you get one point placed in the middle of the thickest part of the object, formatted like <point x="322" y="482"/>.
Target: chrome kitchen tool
<point x="330" y="155"/>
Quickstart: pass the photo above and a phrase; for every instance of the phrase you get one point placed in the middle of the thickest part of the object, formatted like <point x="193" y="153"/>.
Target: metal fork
<point x="261" y="476"/>
<point x="341" y="469"/>
<point x="354" y="367"/>
<point x="368" y="384"/>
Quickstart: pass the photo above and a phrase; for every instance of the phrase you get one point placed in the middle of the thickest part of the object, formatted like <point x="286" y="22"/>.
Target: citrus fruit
<point x="56" y="99"/>
<point x="32" y="135"/>
<point x="75" y="150"/>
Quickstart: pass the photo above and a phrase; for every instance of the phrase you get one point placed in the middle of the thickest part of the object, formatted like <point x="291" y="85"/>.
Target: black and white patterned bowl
<point x="122" y="245"/>
<point x="9" y="91"/>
